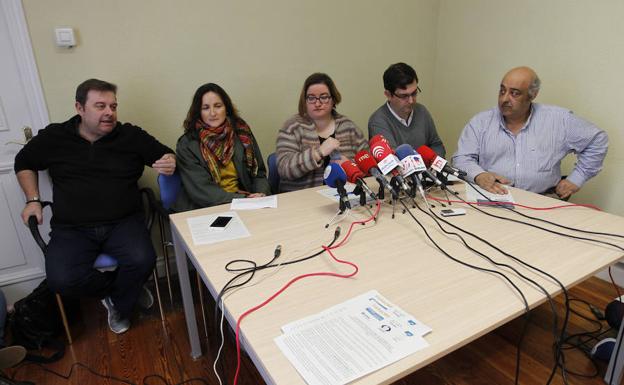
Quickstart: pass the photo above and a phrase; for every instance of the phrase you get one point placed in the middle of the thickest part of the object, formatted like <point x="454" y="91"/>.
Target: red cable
<point x="516" y="204"/>
<point x="318" y="274"/>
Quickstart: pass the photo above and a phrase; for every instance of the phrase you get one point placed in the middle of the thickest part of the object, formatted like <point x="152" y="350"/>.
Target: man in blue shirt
<point x="522" y="143"/>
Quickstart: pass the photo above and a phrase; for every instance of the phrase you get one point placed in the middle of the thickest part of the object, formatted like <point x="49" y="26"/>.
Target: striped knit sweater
<point x="296" y="142"/>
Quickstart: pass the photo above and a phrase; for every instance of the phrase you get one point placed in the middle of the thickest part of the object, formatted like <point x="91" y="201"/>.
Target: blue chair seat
<point x="105" y="262"/>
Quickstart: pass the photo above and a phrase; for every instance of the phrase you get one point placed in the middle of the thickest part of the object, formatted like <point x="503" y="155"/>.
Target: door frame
<point x="15" y="285"/>
<point x="13" y="13"/>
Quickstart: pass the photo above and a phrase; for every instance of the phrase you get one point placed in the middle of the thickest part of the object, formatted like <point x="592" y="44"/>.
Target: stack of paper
<point x="350" y="340"/>
<point x="475" y="193"/>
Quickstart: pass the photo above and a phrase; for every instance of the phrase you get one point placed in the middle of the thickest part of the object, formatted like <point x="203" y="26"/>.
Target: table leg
<point x="617" y="360"/>
<point x="187" y="295"/>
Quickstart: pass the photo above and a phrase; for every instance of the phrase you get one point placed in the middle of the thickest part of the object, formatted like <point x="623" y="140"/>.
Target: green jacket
<point x="199" y="188"/>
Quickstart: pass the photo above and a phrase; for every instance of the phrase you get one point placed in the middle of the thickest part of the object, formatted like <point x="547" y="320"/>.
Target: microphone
<point x="377" y="138"/>
<point x="413" y="165"/>
<point x="387" y="160"/>
<point x="438" y="163"/>
<point x="411" y="161"/>
<point x="367" y="164"/>
<point x="335" y="177"/>
<point x="355" y="175"/>
<point x="409" y="150"/>
<point x="383" y="154"/>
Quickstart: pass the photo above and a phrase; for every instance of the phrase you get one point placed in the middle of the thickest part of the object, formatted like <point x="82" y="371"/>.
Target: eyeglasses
<point x="324" y="99"/>
<point x="407" y="96"/>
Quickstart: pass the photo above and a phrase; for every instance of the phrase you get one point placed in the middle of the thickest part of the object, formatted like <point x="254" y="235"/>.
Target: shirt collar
<point x="503" y="126"/>
<point x="407" y="122"/>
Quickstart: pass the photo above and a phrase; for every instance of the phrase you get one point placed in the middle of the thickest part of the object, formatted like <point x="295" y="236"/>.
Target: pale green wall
<point x="158" y="52"/>
<point x="577" y="49"/>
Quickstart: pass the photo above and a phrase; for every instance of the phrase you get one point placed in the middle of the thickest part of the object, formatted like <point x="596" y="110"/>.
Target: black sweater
<point x="93" y="183"/>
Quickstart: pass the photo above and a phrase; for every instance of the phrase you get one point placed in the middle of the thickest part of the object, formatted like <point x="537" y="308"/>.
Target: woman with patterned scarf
<point x="218" y="157"/>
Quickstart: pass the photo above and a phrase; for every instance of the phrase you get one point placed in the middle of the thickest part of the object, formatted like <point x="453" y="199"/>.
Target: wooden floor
<point x="152" y="347"/>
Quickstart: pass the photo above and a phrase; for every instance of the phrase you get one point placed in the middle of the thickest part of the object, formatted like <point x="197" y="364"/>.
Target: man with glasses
<point x="401" y="119"/>
<point x="522" y="143"/>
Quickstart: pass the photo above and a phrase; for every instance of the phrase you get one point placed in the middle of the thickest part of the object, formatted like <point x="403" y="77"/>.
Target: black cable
<point x="251" y="271"/>
<point x="557" y="362"/>
<point x="71" y="370"/>
<point x="526" y="305"/>
<point x="584" y="337"/>
<point x="539" y="227"/>
<point x="164" y="381"/>
<point x="559" y="340"/>
<point x="67" y="377"/>
<point x="436" y="218"/>
<point x="542" y="228"/>
<point x="527" y="320"/>
<point x="505" y="206"/>
<point x="550" y="300"/>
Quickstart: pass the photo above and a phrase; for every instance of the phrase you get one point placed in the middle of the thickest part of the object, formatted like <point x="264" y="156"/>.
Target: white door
<point x="21" y="105"/>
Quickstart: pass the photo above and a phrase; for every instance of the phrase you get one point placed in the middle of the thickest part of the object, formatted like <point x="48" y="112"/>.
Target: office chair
<point x="103" y="261"/>
<point x="169" y="187"/>
<point x="273" y="177"/>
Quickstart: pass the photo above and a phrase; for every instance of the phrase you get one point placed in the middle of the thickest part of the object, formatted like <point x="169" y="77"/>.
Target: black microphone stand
<point x="344" y="203"/>
<point x="359" y="191"/>
<point x="396" y="189"/>
<point x="380" y="192"/>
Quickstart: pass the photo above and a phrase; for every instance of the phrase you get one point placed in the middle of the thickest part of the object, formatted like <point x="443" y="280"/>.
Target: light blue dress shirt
<point x="532" y="158"/>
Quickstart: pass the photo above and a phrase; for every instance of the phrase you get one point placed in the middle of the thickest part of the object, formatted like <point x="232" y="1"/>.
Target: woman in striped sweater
<point x="318" y="134"/>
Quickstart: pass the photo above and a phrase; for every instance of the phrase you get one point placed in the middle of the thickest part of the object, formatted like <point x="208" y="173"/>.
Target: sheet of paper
<point x="452" y="178"/>
<point x="473" y="196"/>
<point x="350" y="340"/>
<point x="254" y="203"/>
<point x="203" y="234"/>
<point x="332" y="193"/>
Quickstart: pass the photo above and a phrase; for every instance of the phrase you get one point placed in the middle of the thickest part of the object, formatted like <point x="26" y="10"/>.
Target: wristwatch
<point x="33" y="199"/>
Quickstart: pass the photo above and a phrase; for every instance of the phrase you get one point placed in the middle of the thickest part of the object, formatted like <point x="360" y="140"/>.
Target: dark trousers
<point x="72" y="251"/>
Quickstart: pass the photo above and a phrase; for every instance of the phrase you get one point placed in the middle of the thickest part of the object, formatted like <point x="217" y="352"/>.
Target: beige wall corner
<point x="575" y="46"/>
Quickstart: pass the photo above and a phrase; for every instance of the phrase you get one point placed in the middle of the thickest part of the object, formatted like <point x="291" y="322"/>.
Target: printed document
<point x="472" y="195"/>
<point x="350" y="340"/>
<point x="203" y="234"/>
<point x="254" y="203"/>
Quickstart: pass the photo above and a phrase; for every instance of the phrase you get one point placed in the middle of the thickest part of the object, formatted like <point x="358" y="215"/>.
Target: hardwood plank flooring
<point x="152" y="347"/>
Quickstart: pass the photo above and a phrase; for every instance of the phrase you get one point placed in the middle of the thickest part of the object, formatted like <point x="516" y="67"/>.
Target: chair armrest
<point x="33" y="225"/>
<point x="161" y="210"/>
<point x="150" y="207"/>
<point x="34" y="230"/>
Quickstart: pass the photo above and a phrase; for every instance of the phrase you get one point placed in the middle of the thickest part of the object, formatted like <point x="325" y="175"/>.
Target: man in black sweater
<point x="95" y="162"/>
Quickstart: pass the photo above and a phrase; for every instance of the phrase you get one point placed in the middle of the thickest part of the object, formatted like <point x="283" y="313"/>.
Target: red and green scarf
<point x="217" y="146"/>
